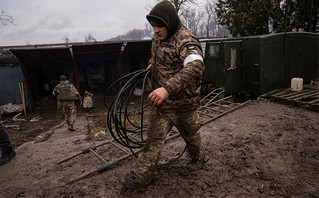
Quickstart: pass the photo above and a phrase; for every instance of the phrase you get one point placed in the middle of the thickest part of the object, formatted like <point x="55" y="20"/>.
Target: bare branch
<point x="178" y="4"/>
<point x="6" y="19"/>
<point x="89" y="38"/>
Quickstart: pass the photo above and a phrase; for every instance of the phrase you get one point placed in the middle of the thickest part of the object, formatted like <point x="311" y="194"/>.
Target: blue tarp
<point x="9" y="86"/>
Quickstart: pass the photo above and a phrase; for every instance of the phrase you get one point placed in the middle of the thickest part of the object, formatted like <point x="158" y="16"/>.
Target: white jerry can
<point x="296" y="84"/>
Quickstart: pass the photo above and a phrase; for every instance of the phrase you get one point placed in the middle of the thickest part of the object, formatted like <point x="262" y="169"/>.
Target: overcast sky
<point x="49" y="21"/>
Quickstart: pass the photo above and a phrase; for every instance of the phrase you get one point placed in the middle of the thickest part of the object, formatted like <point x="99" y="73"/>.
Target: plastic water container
<point x="296" y="84"/>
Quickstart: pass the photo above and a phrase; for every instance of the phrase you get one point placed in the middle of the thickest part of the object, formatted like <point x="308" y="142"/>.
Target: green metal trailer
<point x="258" y="64"/>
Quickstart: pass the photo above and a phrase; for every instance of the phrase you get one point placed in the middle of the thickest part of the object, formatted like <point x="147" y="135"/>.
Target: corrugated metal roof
<point x="27" y="55"/>
<point x="35" y="55"/>
<point x="138" y="47"/>
<point x="110" y="47"/>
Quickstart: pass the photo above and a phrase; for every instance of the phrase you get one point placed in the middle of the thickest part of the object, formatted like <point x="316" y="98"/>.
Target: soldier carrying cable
<point x="176" y="67"/>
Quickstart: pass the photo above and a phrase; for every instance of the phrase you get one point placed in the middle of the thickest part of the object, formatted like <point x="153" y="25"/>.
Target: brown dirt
<point x="263" y="149"/>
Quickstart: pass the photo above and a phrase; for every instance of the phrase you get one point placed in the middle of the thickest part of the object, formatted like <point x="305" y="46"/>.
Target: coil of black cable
<point x="122" y="127"/>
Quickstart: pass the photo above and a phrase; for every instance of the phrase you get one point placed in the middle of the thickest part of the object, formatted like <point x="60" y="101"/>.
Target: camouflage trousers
<point x="159" y="124"/>
<point x="69" y="111"/>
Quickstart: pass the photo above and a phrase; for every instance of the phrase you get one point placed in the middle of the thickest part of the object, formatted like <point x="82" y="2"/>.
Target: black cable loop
<point x="117" y="81"/>
<point x="119" y="122"/>
<point x="116" y="115"/>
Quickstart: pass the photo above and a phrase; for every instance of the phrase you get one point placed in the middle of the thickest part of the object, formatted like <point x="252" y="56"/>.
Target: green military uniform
<point x="177" y="65"/>
<point x="67" y="95"/>
<point x="88" y="100"/>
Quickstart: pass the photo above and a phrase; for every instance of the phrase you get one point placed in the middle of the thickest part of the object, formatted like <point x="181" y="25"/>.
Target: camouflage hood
<point x="166" y="13"/>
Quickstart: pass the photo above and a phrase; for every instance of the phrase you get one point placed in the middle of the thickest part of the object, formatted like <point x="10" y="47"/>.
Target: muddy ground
<point x="263" y="149"/>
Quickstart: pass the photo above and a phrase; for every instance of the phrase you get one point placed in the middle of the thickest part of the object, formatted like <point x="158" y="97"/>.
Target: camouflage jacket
<point x="174" y="69"/>
<point x="66" y="92"/>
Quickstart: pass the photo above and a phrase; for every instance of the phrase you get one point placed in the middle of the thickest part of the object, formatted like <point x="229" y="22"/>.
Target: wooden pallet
<point x="308" y="98"/>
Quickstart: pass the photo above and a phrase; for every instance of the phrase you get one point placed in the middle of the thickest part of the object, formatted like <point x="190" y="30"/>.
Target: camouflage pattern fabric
<point x="69" y="92"/>
<point x="69" y="111"/>
<point x="182" y="82"/>
<point x="87" y="101"/>
<point x="159" y="124"/>
<point x="68" y="107"/>
<point x="177" y="65"/>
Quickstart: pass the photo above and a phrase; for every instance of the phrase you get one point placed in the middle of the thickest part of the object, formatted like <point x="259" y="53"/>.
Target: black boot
<point x="7" y="157"/>
<point x="71" y="127"/>
<point x="196" y="164"/>
<point x="131" y="182"/>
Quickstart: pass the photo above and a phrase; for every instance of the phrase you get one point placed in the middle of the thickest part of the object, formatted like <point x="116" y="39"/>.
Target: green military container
<point x="214" y="62"/>
<point x="259" y="64"/>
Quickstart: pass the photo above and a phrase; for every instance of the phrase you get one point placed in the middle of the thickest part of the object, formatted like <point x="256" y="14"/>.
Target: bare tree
<point x="148" y="30"/>
<point x="66" y="40"/>
<point x="178" y="4"/>
<point x="209" y="8"/>
<point x="201" y="20"/>
<point x="135" y="34"/>
<point x="89" y="38"/>
<point x="211" y="27"/>
<point x="6" y="19"/>
<point x="192" y="19"/>
<point x="182" y="4"/>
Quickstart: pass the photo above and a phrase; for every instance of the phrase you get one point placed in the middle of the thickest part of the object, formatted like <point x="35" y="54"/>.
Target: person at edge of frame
<point x="67" y="96"/>
<point x="176" y="70"/>
<point x="8" y="153"/>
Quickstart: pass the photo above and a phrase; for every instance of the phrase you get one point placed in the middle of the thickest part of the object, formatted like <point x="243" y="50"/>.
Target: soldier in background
<point x="67" y="96"/>
<point x="88" y="100"/>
